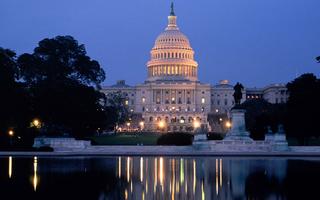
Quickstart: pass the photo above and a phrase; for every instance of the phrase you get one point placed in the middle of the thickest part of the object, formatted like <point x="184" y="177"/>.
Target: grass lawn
<point x="126" y="139"/>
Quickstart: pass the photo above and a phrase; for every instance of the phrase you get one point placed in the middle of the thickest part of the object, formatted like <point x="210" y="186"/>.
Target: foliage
<point x="64" y="83"/>
<point x="177" y="138"/>
<point x="126" y="139"/>
<point x="14" y="101"/>
<point x="303" y="107"/>
<point x="260" y="114"/>
<point x="238" y="93"/>
<point x="117" y="110"/>
<point x="318" y="59"/>
<point x="215" y="136"/>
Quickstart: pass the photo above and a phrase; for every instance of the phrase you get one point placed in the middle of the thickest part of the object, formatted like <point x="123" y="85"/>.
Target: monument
<point x="238" y="127"/>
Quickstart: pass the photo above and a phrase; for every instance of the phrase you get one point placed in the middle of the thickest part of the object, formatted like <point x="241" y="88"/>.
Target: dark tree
<point x="260" y="114"/>
<point x="14" y="104"/>
<point x="238" y="93"/>
<point x="303" y="107"/>
<point x="318" y="59"/>
<point x="64" y="83"/>
<point x="117" y="110"/>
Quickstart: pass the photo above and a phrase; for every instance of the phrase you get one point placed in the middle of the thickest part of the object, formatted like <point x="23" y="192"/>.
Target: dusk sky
<point x="255" y="42"/>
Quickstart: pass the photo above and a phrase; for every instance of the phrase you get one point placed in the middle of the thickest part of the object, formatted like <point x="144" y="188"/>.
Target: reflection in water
<point x="35" y="173"/>
<point x="159" y="177"/>
<point x="10" y="167"/>
<point x="184" y="178"/>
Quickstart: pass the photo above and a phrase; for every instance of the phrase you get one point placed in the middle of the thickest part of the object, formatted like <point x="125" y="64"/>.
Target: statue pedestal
<point x="278" y="141"/>
<point x="238" y="128"/>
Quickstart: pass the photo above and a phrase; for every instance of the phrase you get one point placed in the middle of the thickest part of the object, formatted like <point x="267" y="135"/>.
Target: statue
<point x="172" y="10"/>
<point x="238" y="93"/>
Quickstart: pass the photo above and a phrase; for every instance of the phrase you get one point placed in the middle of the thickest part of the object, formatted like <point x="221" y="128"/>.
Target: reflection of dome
<point x="172" y="55"/>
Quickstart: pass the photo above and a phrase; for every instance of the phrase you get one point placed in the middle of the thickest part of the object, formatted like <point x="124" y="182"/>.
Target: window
<point x="188" y="100"/>
<point x="158" y="100"/>
<point x="203" y="100"/>
<point x="218" y="102"/>
<point x="173" y="100"/>
<point x="225" y="102"/>
<point x="143" y="99"/>
<point x="126" y="102"/>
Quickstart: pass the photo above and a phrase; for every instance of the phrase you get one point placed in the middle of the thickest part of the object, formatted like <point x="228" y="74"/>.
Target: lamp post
<point x="161" y="125"/>
<point x="141" y="125"/>
<point x="11" y="134"/>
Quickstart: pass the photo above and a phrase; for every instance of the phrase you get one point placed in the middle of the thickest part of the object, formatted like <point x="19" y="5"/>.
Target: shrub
<point x="176" y="138"/>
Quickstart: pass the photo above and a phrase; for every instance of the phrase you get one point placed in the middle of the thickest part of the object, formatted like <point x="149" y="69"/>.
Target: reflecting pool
<point x="158" y="178"/>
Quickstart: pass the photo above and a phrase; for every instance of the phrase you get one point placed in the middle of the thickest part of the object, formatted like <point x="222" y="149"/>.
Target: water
<point x="158" y="178"/>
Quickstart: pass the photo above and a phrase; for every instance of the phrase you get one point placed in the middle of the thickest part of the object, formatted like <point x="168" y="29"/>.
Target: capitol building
<point x="172" y="98"/>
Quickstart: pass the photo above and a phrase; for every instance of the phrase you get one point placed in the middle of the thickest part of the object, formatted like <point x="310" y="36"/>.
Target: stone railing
<point x="61" y="144"/>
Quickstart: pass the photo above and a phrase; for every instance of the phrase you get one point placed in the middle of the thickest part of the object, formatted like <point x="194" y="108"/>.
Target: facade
<point x="172" y="98"/>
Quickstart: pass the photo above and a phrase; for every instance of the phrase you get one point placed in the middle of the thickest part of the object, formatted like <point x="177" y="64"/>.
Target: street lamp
<point x="196" y="124"/>
<point x="141" y="125"/>
<point x="11" y="134"/>
<point x="228" y="124"/>
<point x="128" y="125"/>
<point x="36" y="123"/>
<point x="161" y="125"/>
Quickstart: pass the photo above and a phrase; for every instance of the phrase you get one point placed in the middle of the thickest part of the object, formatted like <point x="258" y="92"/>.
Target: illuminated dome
<point x="172" y="57"/>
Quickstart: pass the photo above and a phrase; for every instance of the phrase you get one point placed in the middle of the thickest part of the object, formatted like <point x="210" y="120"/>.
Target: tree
<point x="14" y="104"/>
<point x="260" y="114"/>
<point x="318" y="59"/>
<point x="303" y="107"/>
<point x="64" y="83"/>
<point x="117" y="110"/>
<point x="238" y="93"/>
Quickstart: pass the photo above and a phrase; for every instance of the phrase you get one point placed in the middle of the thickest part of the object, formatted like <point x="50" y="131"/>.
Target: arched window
<point x="172" y="55"/>
<point x="151" y="119"/>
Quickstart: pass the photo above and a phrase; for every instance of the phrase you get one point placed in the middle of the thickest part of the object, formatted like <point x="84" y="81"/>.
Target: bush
<point x="215" y="136"/>
<point x="178" y="139"/>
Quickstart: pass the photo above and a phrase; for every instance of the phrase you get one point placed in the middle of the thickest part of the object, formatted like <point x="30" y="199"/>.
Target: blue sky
<point x="255" y="42"/>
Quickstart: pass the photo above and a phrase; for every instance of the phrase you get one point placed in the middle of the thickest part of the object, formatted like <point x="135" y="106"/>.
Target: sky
<point x="255" y="42"/>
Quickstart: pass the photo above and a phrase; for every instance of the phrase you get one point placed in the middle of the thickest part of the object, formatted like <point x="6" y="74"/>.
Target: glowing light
<point x="143" y="100"/>
<point x="181" y="121"/>
<point x="196" y="124"/>
<point x="203" y="196"/>
<point x="228" y="124"/>
<point x="181" y="171"/>
<point x="194" y="176"/>
<point x="119" y="167"/>
<point x="36" y="123"/>
<point x="11" y="132"/>
<point x="161" y="170"/>
<point x="220" y="119"/>
<point x="10" y="167"/>
<point x="141" y="124"/>
<point x="128" y="123"/>
<point x="35" y="173"/>
<point x="162" y="124"/>
<point x="217" y="110"/>
<point x="155" y="174"/>
<point x="128" y="169"/>
<point x="217" y="177"/>
<point x="203" y="100"/>
<point x="125" y="194"/>
<point x="141" y="169"/>
<point x="220" y="161"/>
<point x="126" y="102"/>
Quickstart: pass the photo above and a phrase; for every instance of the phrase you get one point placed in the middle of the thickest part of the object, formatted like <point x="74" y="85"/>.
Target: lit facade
<point x="172" y="98"/>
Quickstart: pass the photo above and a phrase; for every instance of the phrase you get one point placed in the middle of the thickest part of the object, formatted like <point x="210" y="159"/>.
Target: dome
<point x="172" y="57"/>
<point x="172" y="39"/>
